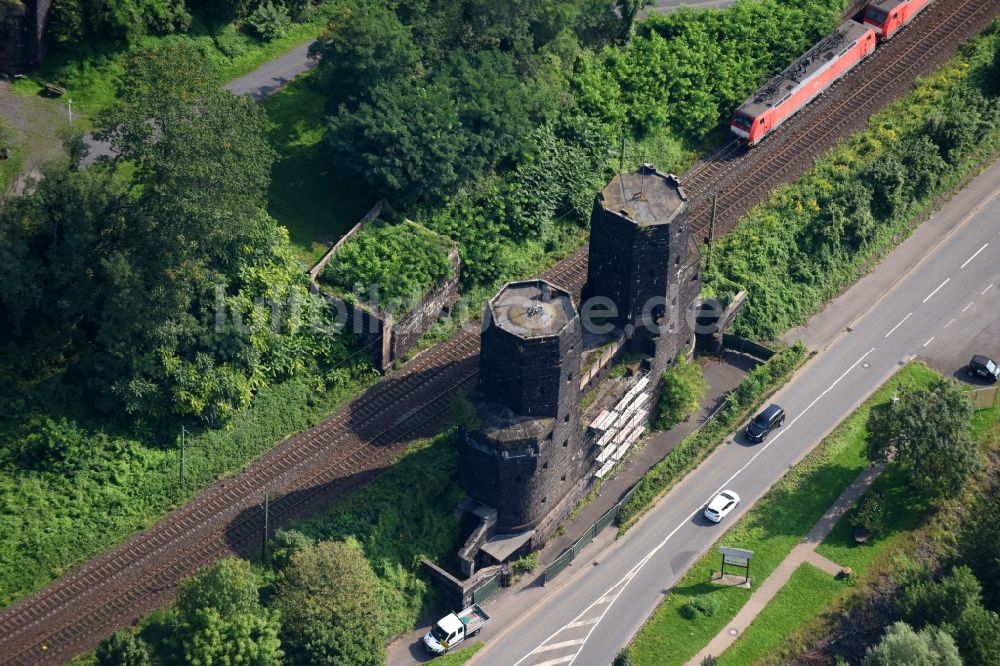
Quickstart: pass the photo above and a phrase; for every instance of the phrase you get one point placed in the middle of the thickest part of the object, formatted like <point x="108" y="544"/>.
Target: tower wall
<point x="526" y="454"/>
<point x="22" y="33"/>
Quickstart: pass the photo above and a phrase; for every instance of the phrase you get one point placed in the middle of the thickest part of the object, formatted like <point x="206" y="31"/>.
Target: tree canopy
<point x="927" y="430"/>
<point x="328" y="599"/>
<point x="902" y="645"/>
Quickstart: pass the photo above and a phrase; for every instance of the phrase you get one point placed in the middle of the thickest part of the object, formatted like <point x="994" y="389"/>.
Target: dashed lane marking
<point x="893" y="330"/>
<point x="946" y="281"/>
<point x="985" y="245"/>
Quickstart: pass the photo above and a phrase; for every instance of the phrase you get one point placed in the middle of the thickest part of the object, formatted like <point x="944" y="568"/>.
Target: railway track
<point x="924" y="45"/>
<point x="326" y="462"/>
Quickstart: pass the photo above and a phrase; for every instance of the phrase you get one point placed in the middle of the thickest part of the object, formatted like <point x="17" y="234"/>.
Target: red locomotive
<point x="819" y="67"/>
<point x="888" y="16"/>
<point x="807" y="77"/>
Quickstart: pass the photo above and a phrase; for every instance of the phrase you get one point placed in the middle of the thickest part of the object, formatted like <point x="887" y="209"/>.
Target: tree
<point x="329" y="603"/>
<point x="208" y="638"/>
<point x="229" y="586"/>
<point x="979" y="543"/>
<point x="902" y="645"/>
<point x="929" y="602"/>
<point x="365" y="47"/>
<point x="217" y="618"/>
<point x="270" y="21"/>
<point x="123" y="648"/>
<point x="927" y="430"/>
<point x="683" y="389"/>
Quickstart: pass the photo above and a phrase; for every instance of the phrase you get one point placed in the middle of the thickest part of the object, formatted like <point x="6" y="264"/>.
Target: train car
<point x="886" y="17"/>
<point x="815" y="71"/>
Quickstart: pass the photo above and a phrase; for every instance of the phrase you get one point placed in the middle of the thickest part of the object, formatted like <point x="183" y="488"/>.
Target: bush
<point x="693" y="448"/>
<point x="525" y="565"/>
<point x="123" y="648"/>
<point x="870" y="513"/>
<point x="701" y="605"/>
<point x="622" y="658"/>
<point x="269" y="21"/>
<point x="683" y="390"/>
<point x="394" y="265"/>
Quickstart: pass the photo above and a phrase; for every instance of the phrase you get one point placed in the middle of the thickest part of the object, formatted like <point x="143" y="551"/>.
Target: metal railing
<point x="486" y="590"/>
<point x="558" y="565"/>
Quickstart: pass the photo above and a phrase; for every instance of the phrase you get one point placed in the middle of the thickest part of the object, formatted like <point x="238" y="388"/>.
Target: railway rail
<point x="887" y="75"/>
<point x="324" y="463"/>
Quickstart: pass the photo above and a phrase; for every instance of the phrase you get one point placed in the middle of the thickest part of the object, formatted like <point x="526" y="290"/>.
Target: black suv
<point x="772" y="417"/>
<point x="985" y="367"/>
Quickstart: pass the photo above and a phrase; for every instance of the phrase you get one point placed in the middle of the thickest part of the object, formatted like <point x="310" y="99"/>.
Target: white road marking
<point x="967" y="306"/>
<point x="986" y="290"/>
<point x="949" y="323"/>
<point x="581" y="623"/>
<point x="946" y="281"/>
<point x="929" y="341"/>
<point x="985" y="245"/>
<point x="624" y="580"/>
<point x="556" y="646"/>
<point x="560" y="660"/>
<point x="904" y="319"/>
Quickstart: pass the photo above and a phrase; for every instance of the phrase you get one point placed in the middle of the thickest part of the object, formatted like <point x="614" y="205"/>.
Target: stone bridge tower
<point x="22" y="33"/>
<point x="525" y="456"/>
<point x="643" y="262"/>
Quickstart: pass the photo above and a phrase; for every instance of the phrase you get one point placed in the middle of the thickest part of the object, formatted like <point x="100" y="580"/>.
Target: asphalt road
<point x="950" y="296"/>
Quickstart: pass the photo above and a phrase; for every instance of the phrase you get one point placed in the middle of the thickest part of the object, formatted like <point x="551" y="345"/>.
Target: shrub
<point x="123" y="648"/>
<point x="870" y="513"/>
<point x="701" y="605"/>
<point x="622" y="658"/>
<point x="269" y="21"/>
<point x="525" y="565"/>
<point x="395" y="263"/>
<point x="684" y="388"/>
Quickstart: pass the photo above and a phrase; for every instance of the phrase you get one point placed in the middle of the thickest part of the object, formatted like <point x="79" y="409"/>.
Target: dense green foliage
<point x="758" y="384"/>
<point x="217" y="619"/>
<point x="810" y="239"/>
<point x="927" y="431"/>
<point x="145" y="295"/>
<point x="494" y="123"/>
<point x="393" y="264"/>
<point x="328" y="600"/>
<point x="74" y="23"/>
<point x="341" y="583"/>
<point x="683" y="389"/>
<point x="902" y="645"/>
<point x="161" y="292"/>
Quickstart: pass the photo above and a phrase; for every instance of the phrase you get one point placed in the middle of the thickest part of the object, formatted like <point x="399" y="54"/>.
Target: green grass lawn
<point x="315" y="207"/>
<point x="89" y="75"/>
<point x="773" y="637"/>
<point x="771" y="529"/>
<point x="806" y="593"/>
<point x="460" y="657"/>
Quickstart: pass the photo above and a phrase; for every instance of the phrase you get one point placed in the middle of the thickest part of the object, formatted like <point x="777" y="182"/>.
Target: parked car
<point x="772" y="417"/>
<point x="985" y="367"/>
<point x="722" y="505"/>
<point x="454" y="628"/>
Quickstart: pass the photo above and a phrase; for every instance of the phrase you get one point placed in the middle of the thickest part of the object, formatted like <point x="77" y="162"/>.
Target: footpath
<point x="804" y="552"/>
<point x="835" y="320"/>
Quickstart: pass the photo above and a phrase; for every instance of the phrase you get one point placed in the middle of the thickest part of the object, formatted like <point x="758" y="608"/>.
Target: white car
<point x="722" y="505"/>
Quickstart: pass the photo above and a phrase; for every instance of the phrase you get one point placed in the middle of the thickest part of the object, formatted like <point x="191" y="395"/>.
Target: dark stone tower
<point x="22" y="32"/>
<point x="525" y="455"/>
<point x="642" y="260"/>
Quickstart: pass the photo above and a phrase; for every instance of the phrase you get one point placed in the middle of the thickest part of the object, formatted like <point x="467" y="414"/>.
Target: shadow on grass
<point x="307" y="196"/>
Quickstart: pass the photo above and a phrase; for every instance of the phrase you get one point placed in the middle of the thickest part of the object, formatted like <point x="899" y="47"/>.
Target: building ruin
<point x="552" y="417"/>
